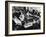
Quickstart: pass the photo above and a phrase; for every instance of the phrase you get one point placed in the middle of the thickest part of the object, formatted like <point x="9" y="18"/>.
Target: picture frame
<point x="36" y="11"/>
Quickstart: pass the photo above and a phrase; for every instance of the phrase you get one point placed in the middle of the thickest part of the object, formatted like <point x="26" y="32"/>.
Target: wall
<point x="2" y="18"/>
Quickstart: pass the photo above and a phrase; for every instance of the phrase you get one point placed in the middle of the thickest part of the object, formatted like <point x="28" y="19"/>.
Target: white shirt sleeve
<point x="17" y="21"/>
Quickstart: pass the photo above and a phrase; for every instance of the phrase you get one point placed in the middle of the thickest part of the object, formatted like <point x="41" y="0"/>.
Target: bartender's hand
<point x="22" y="17"/>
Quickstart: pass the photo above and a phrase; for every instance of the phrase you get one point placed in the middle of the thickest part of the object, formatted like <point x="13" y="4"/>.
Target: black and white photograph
<point x="24" y="18"/>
